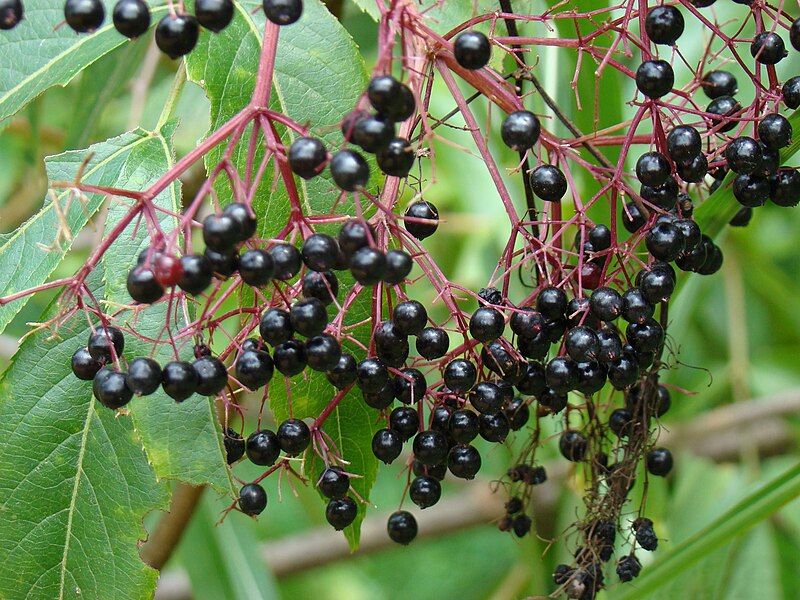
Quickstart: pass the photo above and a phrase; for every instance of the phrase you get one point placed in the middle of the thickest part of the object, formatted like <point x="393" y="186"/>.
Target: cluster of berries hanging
<point x="176" y="33"/>
<point x="594" y="322"/>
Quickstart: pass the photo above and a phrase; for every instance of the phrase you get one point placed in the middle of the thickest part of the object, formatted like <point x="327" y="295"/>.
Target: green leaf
<point x="370" y="7"/>
<point x="319" y="76"/>
<point x="36" y="56"/>
<point x="74" y="482"/>
<point x="33" y="251"/>
<point x="224" y="561"/>
<point x="99" y="84"/>
<point x="734" y="522"/>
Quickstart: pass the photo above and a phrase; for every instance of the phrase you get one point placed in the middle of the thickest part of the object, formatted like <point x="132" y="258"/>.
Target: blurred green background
<point x="737" y="333"/>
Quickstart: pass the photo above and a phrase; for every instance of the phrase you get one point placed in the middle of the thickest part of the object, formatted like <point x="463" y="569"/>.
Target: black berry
<point x="252" y="499"/>
<point x="286" y="261"/>
<point x="290" y="358"/>
<point x="263" y="447"/>
<point x="472" y="50"/>
<point x="719" y="83"/>
<point x="294" y="436"/>
<point x="341" y="512"/>
<point x="144" y="376"/>
<point x="659" y="462"/>
<point x="402" y="527"/>
<point x="664" y="25"/>
<point x="548" y="183"/>
<point x="131" y="17"/>
<point x="111" y="388"/>
<point x="84" y="366"/>
<point x="253" y="369"/>
<point x="283" y="12"/>
<point x="214" y="15"/>
<point x="344" y="372"/>
<point x="520" y="130"/>
<point x="143" y="287"/>
<point x="234" y="445"/>
<point x="333" y="483"/>
<point x="177" y="35"/>
<point x="179" y="380"/>
<point x="256" y="267"/>
<point x="655" y="78"/>
<point x="84" y="16"/>
<point x="349" y="170"/>
<point x="197" y="273"/>
<point x="421" y="219"/>
<point x="386" y="445"/>
<point x="307" y="157"/>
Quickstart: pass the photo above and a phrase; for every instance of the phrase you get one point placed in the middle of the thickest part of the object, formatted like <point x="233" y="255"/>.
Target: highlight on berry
<point x="390" y="271"/>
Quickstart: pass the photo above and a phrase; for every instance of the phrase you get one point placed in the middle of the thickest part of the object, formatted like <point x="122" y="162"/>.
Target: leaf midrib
<point x="73" y="498"/>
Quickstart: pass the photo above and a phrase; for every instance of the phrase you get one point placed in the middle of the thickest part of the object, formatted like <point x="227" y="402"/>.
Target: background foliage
<point x="738" y="334"/>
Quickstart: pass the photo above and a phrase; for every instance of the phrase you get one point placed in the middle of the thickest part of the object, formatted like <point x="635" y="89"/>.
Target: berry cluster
<point x="176" y="33"/>
<point x="584" y="345"/>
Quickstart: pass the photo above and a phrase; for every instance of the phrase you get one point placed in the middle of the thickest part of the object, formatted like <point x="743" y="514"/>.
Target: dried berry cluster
<point x="586" y="346"/>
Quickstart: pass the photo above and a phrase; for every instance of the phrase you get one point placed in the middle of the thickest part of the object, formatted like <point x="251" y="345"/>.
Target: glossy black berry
<point x="222" y="265"/>
<point x="396" y="157"/>
<point x="723" y="111"/>
<point x="405" y="421"/>
<point x="635" y="307"/>
<point x="464" y="461"/>
<point x="791" y="92"/>
<point x="308" y="317"/>
<point x="664" y="242"/>
<point x="472" y="50"/>
<point x="263" y="447"/>
<point x="632" y="218"/>
<point x="460" y="375"/>
<point x="520" y="130"/>
<point x="289" y="358"/>
<point x="548" y="183"/>
<point x="344" y="373"/>
<point x="349" y="170"/>
<point x="532" y="382"/>
<point x="684" y="143"/>
<point x="131" y="17"/>
<point x="234" y="445"/>
<point x="402" y="527"/>
<point x="495" y="427"/>
<point x="253" y="369"/>
<point x="716" y="84"/>
<point x="785" y="187"/>
<point x="276" y="326"/>
<point x="283" y="12"/>
<point x="177" y="35"/>
<point x="645" y="337"/>
<point x="664" y="25"/>
<point x="333" y="483"/>
<point x="341" y="512"/>
<point x="743" y="155"/>
<point x="552" y="303"/>
<point x="11" y="13"/>
<point x="244" y="218"/>
<point x="664" y="196"/>
<point x="294" y="436"/>
<point x="591" y="377"/>
<point x="655" y="78"/>
<point x="652" y="169"/>
<point x="179" y="380"/>
<point x="463" y="426"/>
<point x="527" y="323"/>
<point x="84" y="366"/>
<point x="573" y="445"/>
<point x="775" y="131"/>
<point x="214" y="15"/>
<point x="794" y="34"/>
<point x="517" y="412"/>
<point x="693" y="171"/>
<point x="410" y="386"/>
<point x="561" y="374"/>
<point x="486" y="324"/>
<point x="307" y="157"/>
<point x="432" y="343"/>
<point x="368" y="265"/>
<point x="101" y="342"/>
<point x="392" y="99"/>
<point x="252" y="499"/>
<point x="323" y="352"/>
<point x="320" y="252"/>
<point x="197" y="273"/>
<point x="659" y="462"/>
<point x="751" y="190"/>
<point x="373" y="132"/>
<point x="606" y="304"/>
<point x="656" y="286"/>
<point x="143" y="287"/>
<point x="386" y="445"/>
<point x="582" y="344"/>
<point x="144" y="376"/>
<point x="398" y="267"/>
<point x="371" y="375"/>
<point x="486" y="398"/>
<point x="768" y="48"/>
<point x="421" y="219"/>
<point x="111" y="388"/>
<point x="354" y="235"/>
<point x="430" y="447"/>
<point x="286" y="261"/>
<point x="256" y="267"/>
<point x="84" y="16"/>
